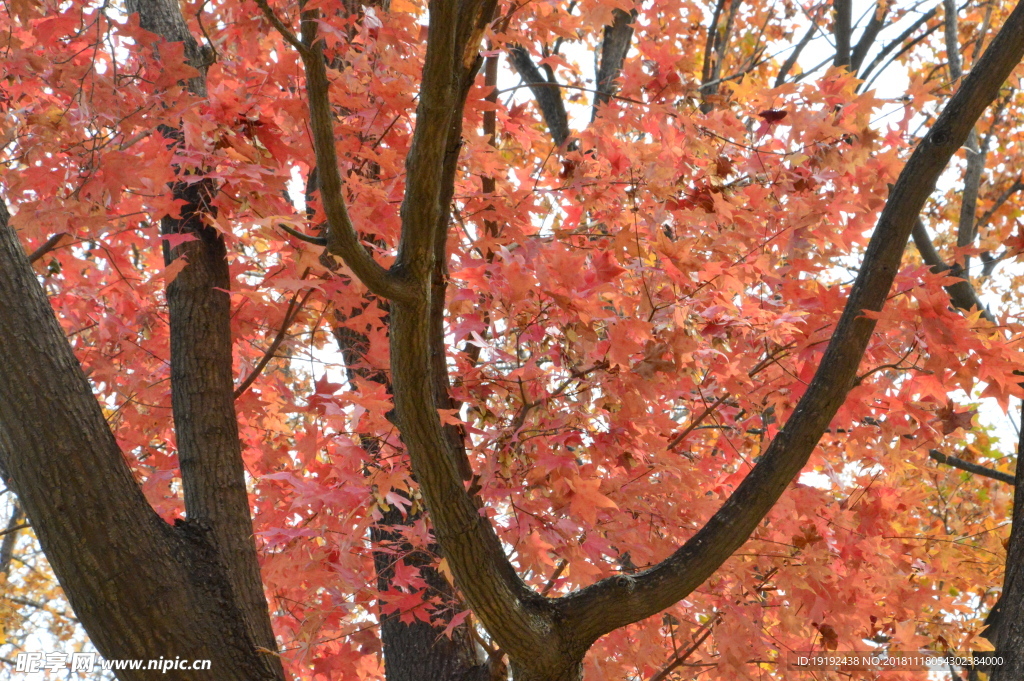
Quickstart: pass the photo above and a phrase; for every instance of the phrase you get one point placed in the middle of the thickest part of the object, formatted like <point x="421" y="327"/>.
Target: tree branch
<point x="867" y="38"/>
<point x="843" y="10"/>
<point x="452" y="56"/>
<point x="549" y="99"/>
<point x="47" y="246"/>
<point x="481" y="568"/>
<point x="615" y="602"/>
<point x="711" y="42"/>
<point x="294" y="307"/>
<point x="957" y="462"/>
<point x="614" y="48"/>
<point x="276" y="22"/>
<point x="976" y="152"/>
<point x="315" y="240"/>
<point x="893" y="44"/>
<point x="682" y="657"/>
<point x="712" y="73"/>
<point x="342" y="239"/>
<point x="961" y="294"/>
<point x="791" y="60"/>
<point x="1003" y="198"/>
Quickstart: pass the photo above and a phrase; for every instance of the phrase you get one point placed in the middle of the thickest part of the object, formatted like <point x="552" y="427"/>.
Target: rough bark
<point x="202" y="379"/>
<point x="614" y="47"/>
<point x="141" y="588"/>
<point x="547" y="638"/>
<point x="417" y="650"/>
<point x="1007" y="617"/>
<point x="547" y="94"/>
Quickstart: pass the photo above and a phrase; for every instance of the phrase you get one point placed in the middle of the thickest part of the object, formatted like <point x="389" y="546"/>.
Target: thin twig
<point x="559" y="569"/>
<point x="285" y="32"/>
<point x="294" y="307"/>
<point x="14" y="529"/>
<point x="682" y="657"/>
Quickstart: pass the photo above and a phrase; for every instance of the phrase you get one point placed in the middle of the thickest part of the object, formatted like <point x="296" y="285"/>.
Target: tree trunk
<point x="141" y="588"/>
<point x="572" y="670"/>
<point x="1007" y="617"/>
<point x="202" y="378"/>
<point x="417" y="650"/>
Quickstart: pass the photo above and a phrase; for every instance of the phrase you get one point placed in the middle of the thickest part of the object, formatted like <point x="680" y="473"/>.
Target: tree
<point x="631" y="314"/>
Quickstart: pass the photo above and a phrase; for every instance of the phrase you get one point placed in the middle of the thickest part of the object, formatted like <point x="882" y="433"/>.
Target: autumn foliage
<point x="631" y="315"/>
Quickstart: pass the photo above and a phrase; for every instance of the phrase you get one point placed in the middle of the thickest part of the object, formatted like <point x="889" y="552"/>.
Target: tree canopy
<point x="455" y="340"/>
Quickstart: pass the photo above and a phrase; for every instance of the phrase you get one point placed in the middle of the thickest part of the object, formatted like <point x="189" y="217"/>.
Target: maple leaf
<point x="455" y="622"/>
<point x="951" y="420"/>
<point x="587" y="498"/>
<point x="769" y="118"/>
<point x="659" y="273"/>
<point x="175" y="240"/>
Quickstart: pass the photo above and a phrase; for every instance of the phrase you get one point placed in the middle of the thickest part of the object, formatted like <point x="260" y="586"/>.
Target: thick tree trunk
<point x="418" y="650"/>
<point x="202" y="378"/>
<point x="141" y="588"/>
<point x="569" y="670"/>
<point x="1008" y="620"/>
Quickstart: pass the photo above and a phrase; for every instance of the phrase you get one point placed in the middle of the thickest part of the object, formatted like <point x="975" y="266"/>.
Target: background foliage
<point x="632" y="314"/>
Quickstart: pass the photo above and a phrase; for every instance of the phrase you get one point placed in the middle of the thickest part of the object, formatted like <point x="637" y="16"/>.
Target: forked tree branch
<point x="342" y="239"/>
<point x="897" y="42"/>
<point x="717" y="43"/>
<point x="618" y="601"/>
<point x="456" y="29"/>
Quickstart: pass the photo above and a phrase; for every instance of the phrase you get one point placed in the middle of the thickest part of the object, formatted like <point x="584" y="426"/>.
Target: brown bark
<point x="962" y="293"/>
<point x="547" y="638"/>
<point x="202" y="379"/>
<point x="140" y="587"/>
<point x="1007" y="617"/>
<point x="614" y="47"/>
<point x="842" y="30"/>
